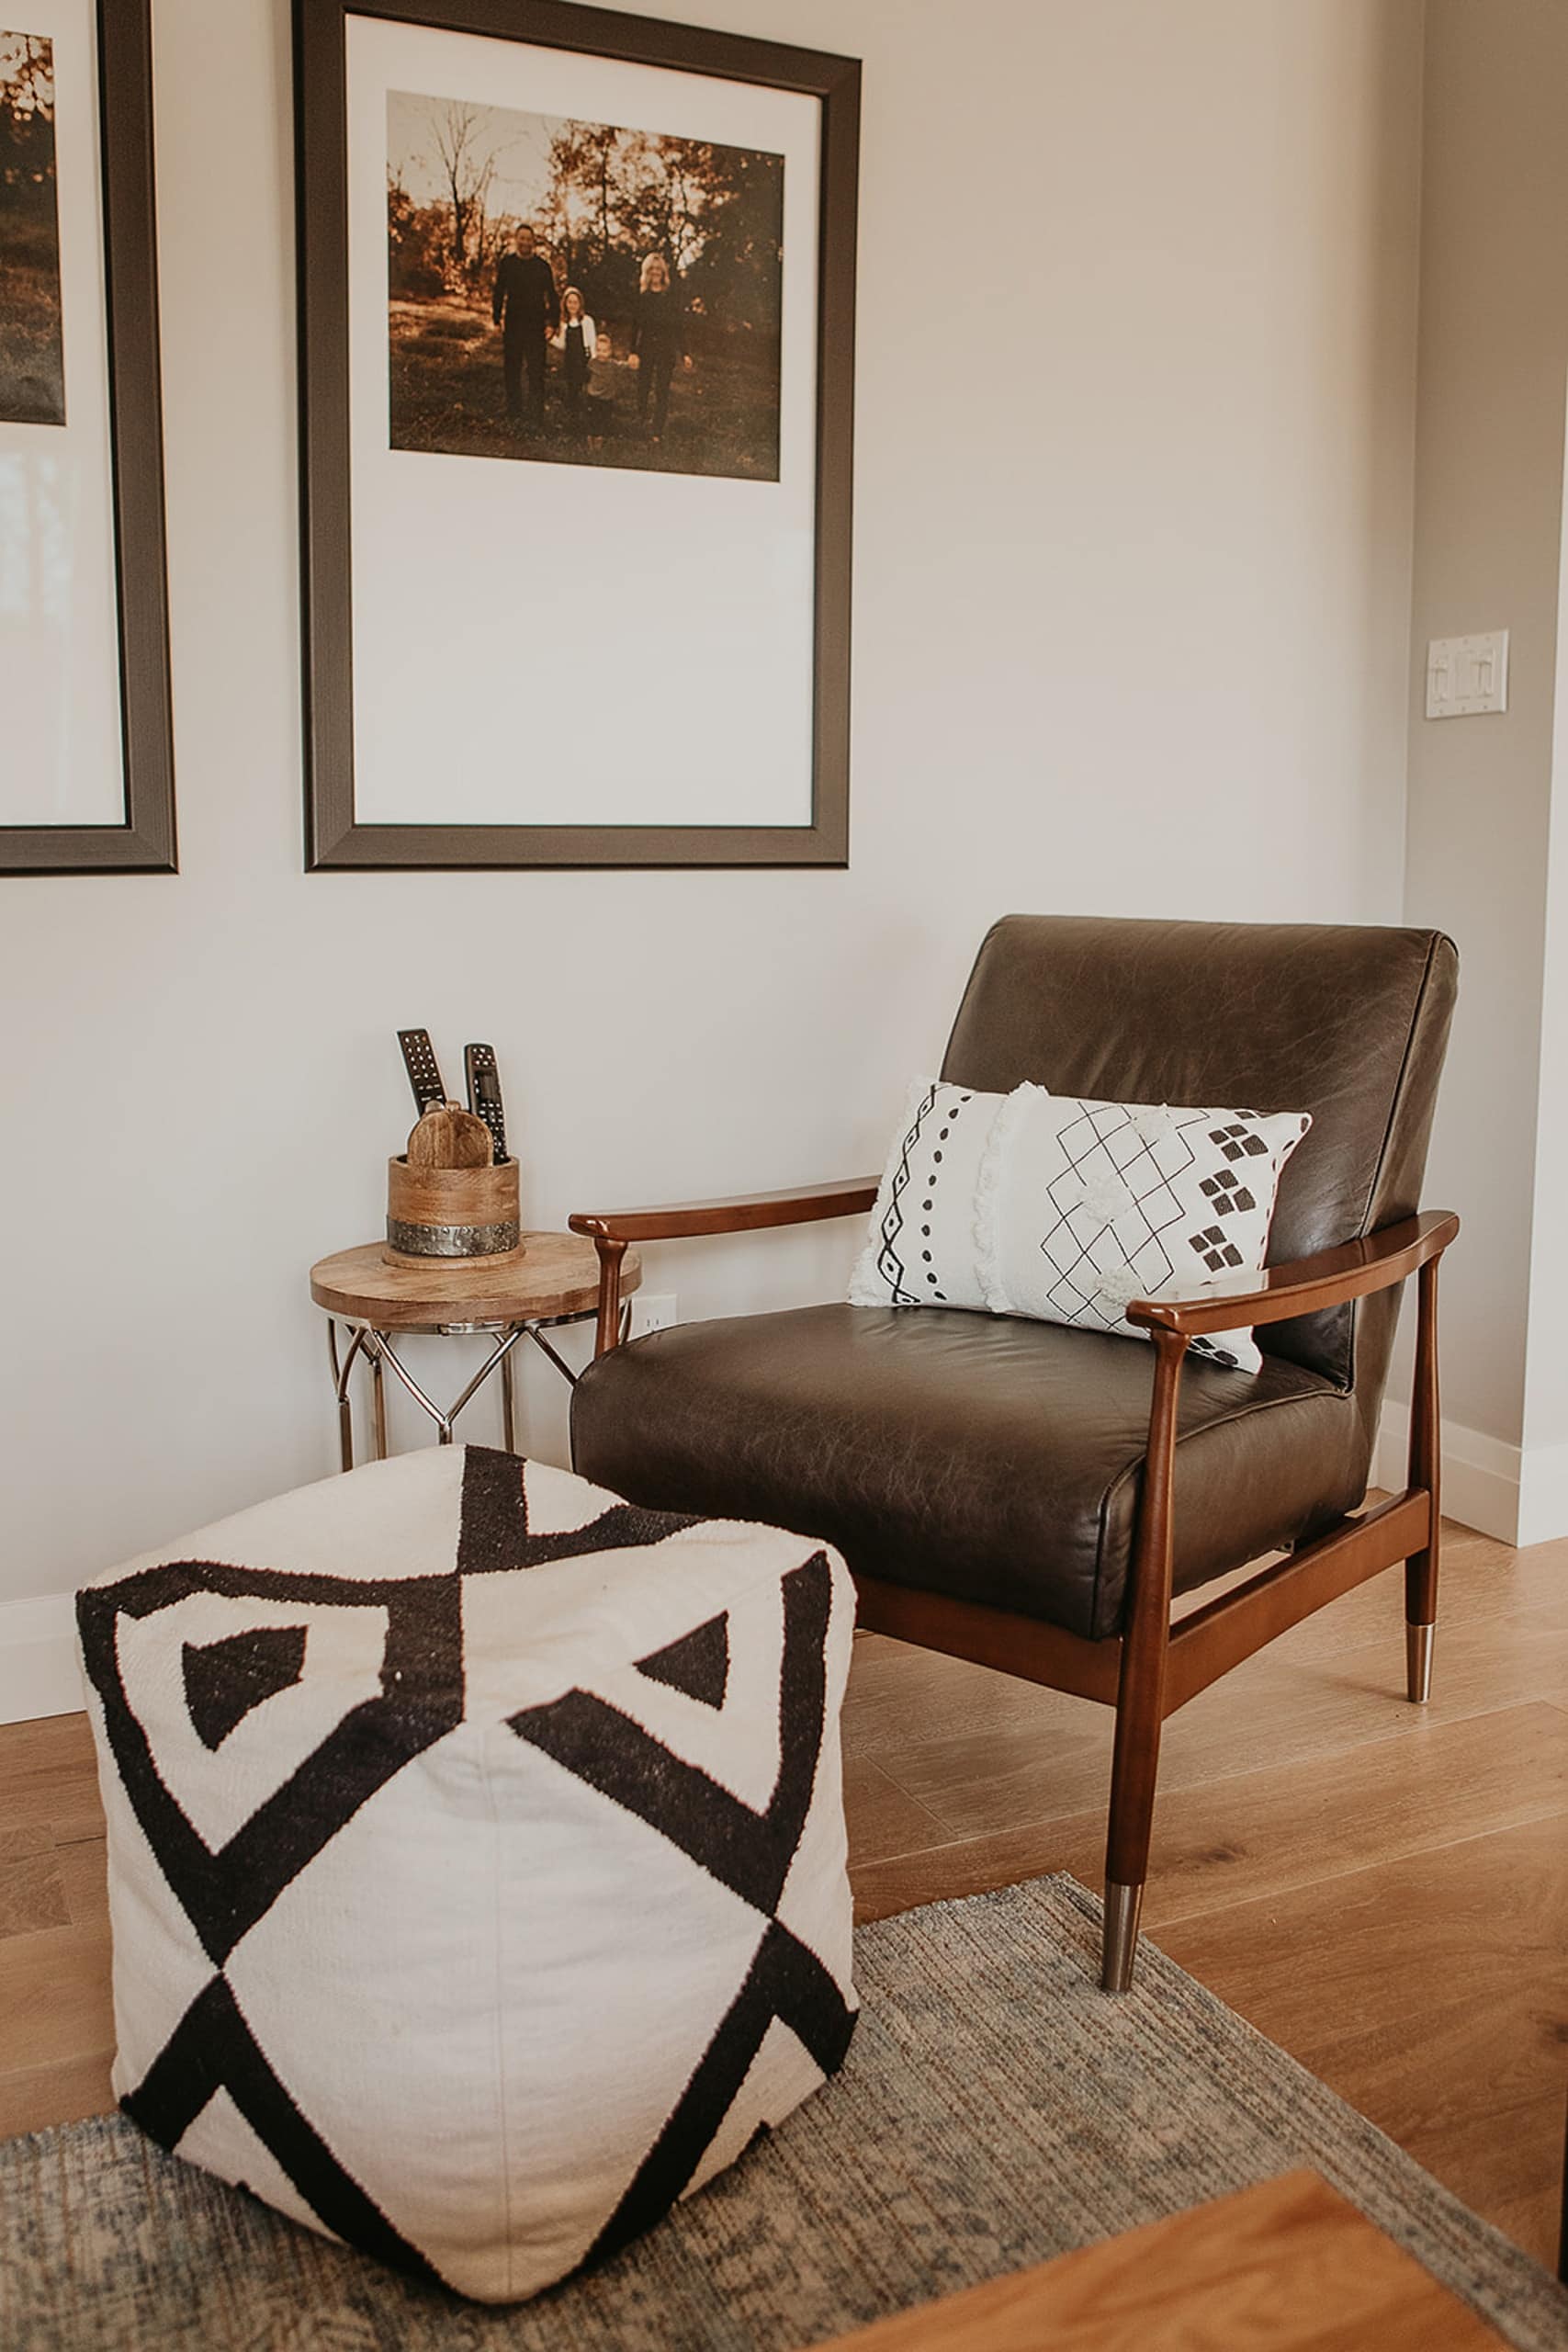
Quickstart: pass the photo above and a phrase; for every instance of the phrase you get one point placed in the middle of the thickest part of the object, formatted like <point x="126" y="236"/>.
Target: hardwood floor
<point x="1382" y="1889"/>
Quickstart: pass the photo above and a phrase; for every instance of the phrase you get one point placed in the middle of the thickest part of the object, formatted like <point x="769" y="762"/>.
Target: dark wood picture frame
<point x="334" y="841"/>
<point x="144" y="843"/>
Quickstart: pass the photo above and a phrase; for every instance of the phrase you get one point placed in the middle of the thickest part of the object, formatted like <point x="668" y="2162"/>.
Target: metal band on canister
<point x="451" y="1240"/>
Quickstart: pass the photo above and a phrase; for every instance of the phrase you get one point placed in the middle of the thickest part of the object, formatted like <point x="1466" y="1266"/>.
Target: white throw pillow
<point x="1070" y="1208"/>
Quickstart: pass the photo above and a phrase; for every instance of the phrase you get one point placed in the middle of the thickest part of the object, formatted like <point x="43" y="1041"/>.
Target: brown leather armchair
<point x="1031" y="1496"/>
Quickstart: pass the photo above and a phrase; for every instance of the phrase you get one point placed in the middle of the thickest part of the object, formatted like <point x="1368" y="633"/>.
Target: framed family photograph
<point x="576" y="328"/>
<point x="86" y="784"/>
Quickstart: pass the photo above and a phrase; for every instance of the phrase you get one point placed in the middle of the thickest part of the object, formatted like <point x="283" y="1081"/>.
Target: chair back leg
<point x="1140" y="1703"/>
<point x="1424" y="1474"/>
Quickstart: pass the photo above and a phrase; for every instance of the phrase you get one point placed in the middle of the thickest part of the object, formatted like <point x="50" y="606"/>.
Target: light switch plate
<point x="1467" y="675"/>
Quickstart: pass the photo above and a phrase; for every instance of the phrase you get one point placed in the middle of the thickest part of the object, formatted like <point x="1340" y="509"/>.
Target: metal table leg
<point x="379" y="1402"/>
<point x="381" y="1350"/>
<point x="379" y="1353"/>
<point x="340" y="1386"/>
<point x="508" y="1403"/>
<point x="345" y="1419"/>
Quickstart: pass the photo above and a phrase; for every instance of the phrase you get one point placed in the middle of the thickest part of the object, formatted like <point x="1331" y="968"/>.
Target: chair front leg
<point x="1424" y="1473"/>
<point x="1140" y="1703"/>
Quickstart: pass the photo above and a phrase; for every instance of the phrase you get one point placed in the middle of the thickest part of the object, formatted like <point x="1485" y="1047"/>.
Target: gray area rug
<point x="996" y="2108"/>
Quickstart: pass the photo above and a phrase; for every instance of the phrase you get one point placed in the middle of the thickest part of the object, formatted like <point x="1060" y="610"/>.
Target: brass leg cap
<point x="1418" y="1662"/>
<point x="1123" y="1905"/>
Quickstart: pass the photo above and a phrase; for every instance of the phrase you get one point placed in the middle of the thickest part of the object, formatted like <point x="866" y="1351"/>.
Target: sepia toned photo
<point x="576" y="293"/>
<point x="33" y="370"/>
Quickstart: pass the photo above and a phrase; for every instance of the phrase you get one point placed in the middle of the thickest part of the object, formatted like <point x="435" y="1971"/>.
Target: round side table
<point x="554" y="1280"/>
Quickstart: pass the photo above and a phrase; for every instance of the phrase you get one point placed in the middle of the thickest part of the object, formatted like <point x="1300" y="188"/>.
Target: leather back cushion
<point x="1347" y="1022"/>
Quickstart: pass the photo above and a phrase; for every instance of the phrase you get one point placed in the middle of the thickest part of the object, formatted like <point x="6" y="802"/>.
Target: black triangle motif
<point x="495" y="1536"/>
<point x="225" y="1889"/>
<point x="697" y="1665"/>
<point x="748" y="1851"/>
<point x="225" y="1679"/>
<point x="786" y="1981"/>
<point x="212" y="2049"/>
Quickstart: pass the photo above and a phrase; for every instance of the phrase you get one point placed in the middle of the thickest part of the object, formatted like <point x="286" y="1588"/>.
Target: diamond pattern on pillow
<point x="1093" y="1205"/>
<point x="1066" y="1210"/>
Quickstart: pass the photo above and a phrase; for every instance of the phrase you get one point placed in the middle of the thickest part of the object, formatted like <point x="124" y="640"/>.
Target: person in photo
<point x="549" y="279"/>
<point x="577" y="343"/>
<point x="657" y="342"/>
<point x="526" y="309"/>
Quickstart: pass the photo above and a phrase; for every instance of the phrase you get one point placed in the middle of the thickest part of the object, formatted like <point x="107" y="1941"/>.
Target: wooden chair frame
<point x="1153" y="1666"/>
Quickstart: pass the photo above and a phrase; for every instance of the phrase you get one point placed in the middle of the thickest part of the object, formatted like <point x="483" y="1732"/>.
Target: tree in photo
<point x="622" y="247"/>
<point x="33" y="372"/>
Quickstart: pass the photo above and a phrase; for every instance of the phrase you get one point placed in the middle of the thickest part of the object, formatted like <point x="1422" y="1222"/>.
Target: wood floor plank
<point x="1535" y="2222"/>
<point x="1274" y="1709"/>
<point x="34" y="2098"/>
<point x="961" y="1866"/>
<point x="54" y="1997"/>
<point x="898" y="1696"/>
<point x="32" y="1895"/>
<point x="899" y="1699"/>
<point x="1430" y="1991"/>
<point x="84" y="1872"/>
<point x="48" y="1778"/>
<point x="881" y="1818"/>
<point x="1233" y="1840"/>
<point x="1260" y="1834"/>
<point x="1513" y="2167"/>
<point x="16" y="1845"/>
<point x="1464" y="1932"/>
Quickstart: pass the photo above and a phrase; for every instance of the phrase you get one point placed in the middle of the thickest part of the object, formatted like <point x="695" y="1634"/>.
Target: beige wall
<point x="1133" y="534"/>
<point x="1493" y="366"/>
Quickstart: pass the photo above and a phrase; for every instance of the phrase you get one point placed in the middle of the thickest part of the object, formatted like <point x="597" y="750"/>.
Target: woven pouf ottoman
<point x="476" y="1849"/>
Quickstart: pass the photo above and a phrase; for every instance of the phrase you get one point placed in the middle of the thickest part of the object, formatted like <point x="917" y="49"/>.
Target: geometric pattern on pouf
<point x="477" y="1859"/>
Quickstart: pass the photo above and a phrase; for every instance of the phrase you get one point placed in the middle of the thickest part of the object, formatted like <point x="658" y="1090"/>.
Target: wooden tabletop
<point x="557" y="1273"/>
<point x="1288" y="2267"/>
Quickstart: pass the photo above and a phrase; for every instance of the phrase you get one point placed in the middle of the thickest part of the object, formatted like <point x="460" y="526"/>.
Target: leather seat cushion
<point x="992" y="1459"/>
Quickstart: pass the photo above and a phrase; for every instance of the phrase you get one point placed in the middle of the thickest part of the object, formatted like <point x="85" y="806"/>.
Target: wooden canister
<point x="451" y="1211"/>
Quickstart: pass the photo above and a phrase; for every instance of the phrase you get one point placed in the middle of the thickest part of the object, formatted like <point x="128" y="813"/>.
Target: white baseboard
<point x="39" y="1674"/>
<point x="1484" y="1479"/>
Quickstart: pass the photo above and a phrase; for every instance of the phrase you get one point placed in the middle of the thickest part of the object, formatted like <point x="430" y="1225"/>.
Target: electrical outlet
<point x="655" y="1313"/>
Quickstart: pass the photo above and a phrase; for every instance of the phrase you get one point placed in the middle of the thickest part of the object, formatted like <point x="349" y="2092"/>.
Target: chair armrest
<point x="1308" y="1283"/>
<point x="744" y="1213"/>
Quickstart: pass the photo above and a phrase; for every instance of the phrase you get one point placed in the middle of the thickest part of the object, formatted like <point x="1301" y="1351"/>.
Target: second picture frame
<point x="577" y="320"/>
